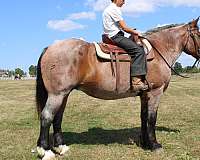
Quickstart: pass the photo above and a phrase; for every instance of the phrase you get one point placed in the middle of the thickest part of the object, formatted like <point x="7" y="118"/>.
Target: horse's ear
<point x="194" y="22"/>
<point x="197" y="19"/>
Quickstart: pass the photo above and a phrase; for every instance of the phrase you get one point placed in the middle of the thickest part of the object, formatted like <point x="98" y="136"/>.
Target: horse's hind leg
<point x="53" y="104"/>
<point x="149" y="107"/>
<point x="59" y="146"/>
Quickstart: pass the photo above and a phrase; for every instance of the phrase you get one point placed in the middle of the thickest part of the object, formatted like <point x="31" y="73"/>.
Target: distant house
<point x="3" y="73"/>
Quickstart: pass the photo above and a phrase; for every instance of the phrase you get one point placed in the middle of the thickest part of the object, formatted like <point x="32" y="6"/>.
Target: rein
<point x="197" y="60"/>
<point x="197" y="49"/>
<point x="166" y="60"/>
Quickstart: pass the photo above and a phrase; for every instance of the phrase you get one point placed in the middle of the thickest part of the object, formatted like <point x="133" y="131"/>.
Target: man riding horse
<point x="113" y="26"/>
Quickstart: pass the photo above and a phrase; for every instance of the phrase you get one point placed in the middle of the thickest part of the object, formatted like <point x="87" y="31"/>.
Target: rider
<point x="114" y="25"/>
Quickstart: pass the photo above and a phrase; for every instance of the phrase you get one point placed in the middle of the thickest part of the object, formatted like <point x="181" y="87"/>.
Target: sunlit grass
<point x="103" y="130"/>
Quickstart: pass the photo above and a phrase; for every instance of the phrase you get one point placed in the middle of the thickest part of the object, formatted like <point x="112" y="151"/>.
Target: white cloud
<point x="83" y="15"/>
<point x="64" y="25"/>
<point x="142" y="6"/>
<point x="131" y="6"/>
<point x="187" y="3"/>
<point x="68" y="24"/>
<point x="136" y="7"/>
<point x="98" y="5"/>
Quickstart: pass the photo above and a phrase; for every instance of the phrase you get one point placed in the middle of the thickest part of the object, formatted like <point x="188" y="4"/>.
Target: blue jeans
<point x="138" y="57"/>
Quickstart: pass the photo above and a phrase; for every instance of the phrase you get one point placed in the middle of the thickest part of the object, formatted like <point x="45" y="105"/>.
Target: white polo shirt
<point x="111" y="17"/>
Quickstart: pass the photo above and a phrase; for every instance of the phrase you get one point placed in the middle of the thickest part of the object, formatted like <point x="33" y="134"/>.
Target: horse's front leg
<point x="149" y="106"/>
<point x="51" y="108"/>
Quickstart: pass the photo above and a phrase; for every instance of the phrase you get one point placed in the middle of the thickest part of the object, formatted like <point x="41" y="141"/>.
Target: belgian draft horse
<point x="73" y="64"/>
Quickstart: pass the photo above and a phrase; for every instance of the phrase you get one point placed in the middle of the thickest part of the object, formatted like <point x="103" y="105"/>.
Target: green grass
<point x="103" y="130"/>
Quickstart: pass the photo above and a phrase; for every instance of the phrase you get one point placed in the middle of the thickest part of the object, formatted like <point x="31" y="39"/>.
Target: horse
<point x="73" y="64"/>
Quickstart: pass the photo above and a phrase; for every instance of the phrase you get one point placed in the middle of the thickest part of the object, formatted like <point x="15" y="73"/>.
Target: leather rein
<point x="197" y="49"/>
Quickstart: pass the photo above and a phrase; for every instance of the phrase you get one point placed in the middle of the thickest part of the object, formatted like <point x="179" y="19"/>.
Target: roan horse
<point x="73" y="64"/>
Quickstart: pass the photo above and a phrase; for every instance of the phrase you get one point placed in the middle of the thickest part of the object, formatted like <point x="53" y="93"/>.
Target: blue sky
<point x="29" y="26"/>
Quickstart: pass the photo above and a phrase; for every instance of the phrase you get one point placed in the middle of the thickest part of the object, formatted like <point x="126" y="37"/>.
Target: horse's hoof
<point x="156" y="147"/>
<point x="45" y="155"/>
<point x="40" y="151"/>
<point x="49" y="155"/>
<point x="61" y="149"/>
<point x="158" y="151"/>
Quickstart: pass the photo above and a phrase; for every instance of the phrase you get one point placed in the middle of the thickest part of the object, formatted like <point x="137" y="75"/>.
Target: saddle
<point x="108" y="46"/>
<point x="120" y="60"/>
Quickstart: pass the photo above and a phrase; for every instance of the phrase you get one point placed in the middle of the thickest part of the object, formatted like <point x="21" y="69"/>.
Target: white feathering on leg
<point x="40" y="151"/>
<point x="45" y="155"/>
<point x="49" y="155"/>
<point x="61" y="149"/>
<point x="64" y="149"/>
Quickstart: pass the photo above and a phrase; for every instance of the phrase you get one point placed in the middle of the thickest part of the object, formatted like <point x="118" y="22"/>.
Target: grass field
<point x="103" y="130"/>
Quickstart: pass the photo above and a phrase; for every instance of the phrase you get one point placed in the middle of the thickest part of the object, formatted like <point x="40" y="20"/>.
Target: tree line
<point x="21" y="73"/>
<point x="188" y="69"/>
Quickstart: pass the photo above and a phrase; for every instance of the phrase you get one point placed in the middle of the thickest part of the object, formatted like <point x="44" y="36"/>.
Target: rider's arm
<point x="125" y="28"/>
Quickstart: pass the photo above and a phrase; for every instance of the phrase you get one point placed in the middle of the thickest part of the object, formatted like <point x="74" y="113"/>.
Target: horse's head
<point x="192" y="45"/>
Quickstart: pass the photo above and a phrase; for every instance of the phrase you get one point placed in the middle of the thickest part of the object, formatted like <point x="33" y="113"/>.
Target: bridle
<point x="193" y="36"/>
<point x="197" y="49"/>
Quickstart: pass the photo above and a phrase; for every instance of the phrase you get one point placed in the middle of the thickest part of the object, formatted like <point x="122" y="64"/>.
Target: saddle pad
<point x="120" y="51"/>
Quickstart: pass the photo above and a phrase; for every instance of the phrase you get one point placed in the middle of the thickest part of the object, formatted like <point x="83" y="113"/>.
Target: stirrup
<point x="139" y="86"/>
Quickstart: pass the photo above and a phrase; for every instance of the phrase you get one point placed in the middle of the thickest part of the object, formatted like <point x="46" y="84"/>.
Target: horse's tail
<point x="41" y="92"/>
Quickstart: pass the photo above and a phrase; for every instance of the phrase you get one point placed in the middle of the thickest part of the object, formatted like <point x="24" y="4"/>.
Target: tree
<point x="189" y="69"/>
<point x="32" y="70"/>
<point x="178" y="67"/>
<point x="19" y="72"/>
<point x="11" y="73"/>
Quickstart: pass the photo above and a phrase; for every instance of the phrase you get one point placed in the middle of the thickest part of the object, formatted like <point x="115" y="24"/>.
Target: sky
<point x="28" y="26"/>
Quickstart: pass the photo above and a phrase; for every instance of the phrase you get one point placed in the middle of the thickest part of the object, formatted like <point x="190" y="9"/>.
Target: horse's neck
<point x="170" y="44"/>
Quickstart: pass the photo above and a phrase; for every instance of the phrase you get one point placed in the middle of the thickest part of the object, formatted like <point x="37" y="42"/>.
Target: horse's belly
<point x="108" y="81"/>
<point x="107" y="90"/>
<point x="106" y="94"/>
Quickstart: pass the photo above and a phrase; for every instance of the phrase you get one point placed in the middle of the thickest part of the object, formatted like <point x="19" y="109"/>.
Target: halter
<point x="197" y="48"/>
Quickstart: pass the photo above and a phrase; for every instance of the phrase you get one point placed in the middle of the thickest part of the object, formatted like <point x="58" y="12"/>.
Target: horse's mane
<point x="158" y="29"/>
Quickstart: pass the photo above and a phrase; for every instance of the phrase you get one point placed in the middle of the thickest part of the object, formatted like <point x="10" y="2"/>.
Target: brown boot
<point x="138" y="85"/>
